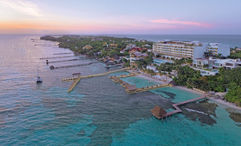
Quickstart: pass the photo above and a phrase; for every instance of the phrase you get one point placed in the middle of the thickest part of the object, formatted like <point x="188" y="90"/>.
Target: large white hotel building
<point x="186" y="49"/>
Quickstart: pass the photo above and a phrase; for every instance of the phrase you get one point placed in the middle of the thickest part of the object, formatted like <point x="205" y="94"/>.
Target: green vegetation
<point x="226" y="80"/>
<point x="126" y="62"/>
<point x="235" y="54"/>
<point x="167" y="67"/>
<point x="146" y="61"/>
<point x="99" y="46"/>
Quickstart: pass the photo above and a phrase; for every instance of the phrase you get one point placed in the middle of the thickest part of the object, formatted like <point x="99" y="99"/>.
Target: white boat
<point x="39" y="80"/>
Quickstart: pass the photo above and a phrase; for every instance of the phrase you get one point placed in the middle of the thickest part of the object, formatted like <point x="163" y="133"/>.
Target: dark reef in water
<point x="236" y="117"/>
<point x="200" y="111"/>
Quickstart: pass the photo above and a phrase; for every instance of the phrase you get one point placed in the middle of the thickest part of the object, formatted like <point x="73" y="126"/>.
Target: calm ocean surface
<point x="230" y="40"/>
<point x="98" y="111"/>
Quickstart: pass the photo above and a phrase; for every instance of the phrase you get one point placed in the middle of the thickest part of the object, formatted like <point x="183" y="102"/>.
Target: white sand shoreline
<point x="189" y="90"/>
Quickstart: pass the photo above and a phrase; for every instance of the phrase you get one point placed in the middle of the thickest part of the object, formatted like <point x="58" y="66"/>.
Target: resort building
<point x="87" y="47"/>
<point x="179" y="49"/>
<point x="200" y="62"/>
<point x="158" y="61"/>
<point x="207" y="72"/>
<point x="216" y="63"/>
<point x="153" y="68"/>
<point x="186" y="49"/>
<point x="227" y="63"/>
<point x="136" y="55"/>
<point x="218" y="49"/>
<point x="129" y="46"/>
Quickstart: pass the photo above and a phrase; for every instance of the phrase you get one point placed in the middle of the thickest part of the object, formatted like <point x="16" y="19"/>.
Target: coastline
<point x="189" y="90"/>
<point x="147" y="77"/>
<point x="218" y="101"/>
<point x="227" y="104"/>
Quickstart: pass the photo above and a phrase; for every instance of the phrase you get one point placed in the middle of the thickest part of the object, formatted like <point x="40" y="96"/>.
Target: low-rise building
<point x="227" y="63"/>
<point x="207" y="72"/>
<point x="136" y="55"/>
<point x="87" y="47"/>
<point x="200" y="62"/>
<point x="153" y="68"/>
<point x="212" y="63"/>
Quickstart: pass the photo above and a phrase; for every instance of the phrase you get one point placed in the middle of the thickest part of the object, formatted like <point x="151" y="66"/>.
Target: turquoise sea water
<point x="180" y="131"/>
<point x="98" y="111"/>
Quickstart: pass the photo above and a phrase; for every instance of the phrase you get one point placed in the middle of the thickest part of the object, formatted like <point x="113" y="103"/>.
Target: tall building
<point x="216" y="49"/>
<point x="186" y="49"/>
<point x="179" y="49"/>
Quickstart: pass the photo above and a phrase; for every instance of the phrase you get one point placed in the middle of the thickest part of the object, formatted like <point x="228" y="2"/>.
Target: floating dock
<point x="158" y="112"/>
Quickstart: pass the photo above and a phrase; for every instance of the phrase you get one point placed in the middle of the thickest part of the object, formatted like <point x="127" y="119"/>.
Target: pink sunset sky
<point x="120" y="17"/>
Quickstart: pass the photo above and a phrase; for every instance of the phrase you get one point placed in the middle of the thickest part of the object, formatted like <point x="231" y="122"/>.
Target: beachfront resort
<point x="192" y="65"/>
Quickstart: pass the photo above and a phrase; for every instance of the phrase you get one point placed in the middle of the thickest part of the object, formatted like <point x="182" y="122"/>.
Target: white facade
<point x="153" y="68"/>
<point x="185" y="49"/>
<point x="200" y="62"/>
<point x="227" y="63"/>
<point x="178" y="49"/>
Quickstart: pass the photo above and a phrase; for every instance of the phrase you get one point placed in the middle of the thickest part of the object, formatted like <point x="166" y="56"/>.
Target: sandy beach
<point x="188" y="89"/>
<point x="225" y="103"/>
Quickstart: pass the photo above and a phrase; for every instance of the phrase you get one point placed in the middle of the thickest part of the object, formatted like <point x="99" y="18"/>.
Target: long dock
<point x="175" y="106"/>
<point x="62" y="53"/>
<point x="76" y="80"/>
<point x="56" y="57"/>
<point x="63" y="60"/>
<point x="70" y="66"/>
<point x="95" y="75"/>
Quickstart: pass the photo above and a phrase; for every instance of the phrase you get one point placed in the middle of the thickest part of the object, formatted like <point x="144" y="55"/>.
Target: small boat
<point x="39" y="80"/>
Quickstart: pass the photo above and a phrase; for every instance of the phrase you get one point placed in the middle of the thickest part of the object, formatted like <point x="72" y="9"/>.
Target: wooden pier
<point x="77" y="79"/>
<point x="63" y="61"/>
<point x="95" y="75"/>
<point x="70" y="66"/>
<point x="56" y="57"/>
<point x="61" y="53"/>
<point x="161" y="115"/>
